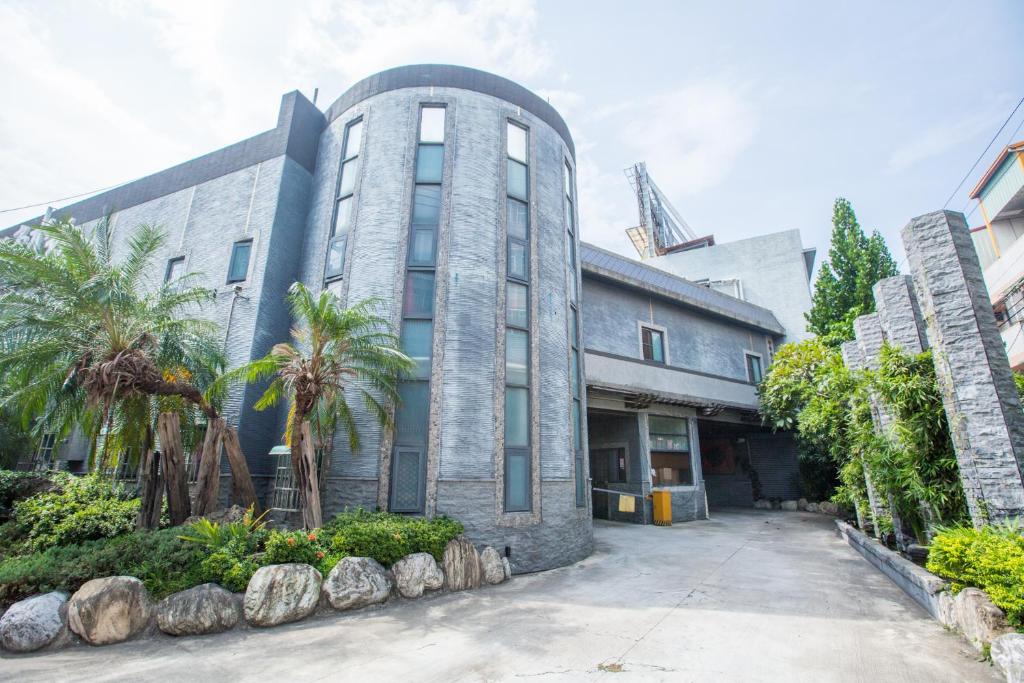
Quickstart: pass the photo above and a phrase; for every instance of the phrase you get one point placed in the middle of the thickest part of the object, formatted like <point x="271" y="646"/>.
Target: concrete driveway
<point x="745" y="596"/>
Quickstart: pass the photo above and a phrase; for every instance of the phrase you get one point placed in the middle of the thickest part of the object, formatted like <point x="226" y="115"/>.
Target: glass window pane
<point x="349" y="171"/>
<point x="574" y="327"/>
<point x="516" y="142"/>
<point x="518" y="219"/>
<point x="516" y="297"/>
<point x="517" y="260"/>
<point x="671" y="469"/>
<point x="336" y="256"/>
<point x="426" y="206"/>
<point x="175" y="269"/>
<point x="517" y="482"/>
<point x="517" y="430"/>
<point x="754" y="369"/>
<point x="575" y="373"/>
<point x="343" y="217"/>
<point x="355" y="135"/>
<point x="667" y="425"/>
<point x="432" y="124"/>
<point x="577" y="427"/>
<point x="573" y="288"/>
<point x="421" y="251"/>
<point x="416" y="341"/>
<point x="239" y="267"/>
<point x="568" y="217"/>
<point x="517" y="345"/>
<point x="581" y="493"/>
<point x="419" y="294"/>
<point x="516" y="179"/>
<point x="657" y="347"/>
<point x="429" y="162"/>
<point x="411" y="413"/>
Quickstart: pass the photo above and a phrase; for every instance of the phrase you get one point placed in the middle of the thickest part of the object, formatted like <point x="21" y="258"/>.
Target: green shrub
<point x="82" y="509"/>
<point x="15" y="486"/>
<point x="388" y="537"/>
<point x="232" y="566"/>
<point x="249" y="532"/>
<point x="990" y="558"/>
<point x="164" y="562"/>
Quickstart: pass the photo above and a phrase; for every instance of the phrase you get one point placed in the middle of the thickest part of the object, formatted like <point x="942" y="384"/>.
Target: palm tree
<point x="335" y="349"/>
<point x="88" y="341"/>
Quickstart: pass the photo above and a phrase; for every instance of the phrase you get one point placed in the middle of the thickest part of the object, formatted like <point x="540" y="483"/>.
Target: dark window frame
<point x="234" y="255"/>
<point x="346" y="157"/>
<point x="749" y="367"/>
<point x="647" y="330"/>
<point x="171" y="262"/>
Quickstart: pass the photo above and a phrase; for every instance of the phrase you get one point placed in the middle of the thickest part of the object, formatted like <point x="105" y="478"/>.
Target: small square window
<point x="175" y="269"/>
<point x="419" y="294"/>
<point x="336" y="256"/>
<point x="653" y="344"/>
<point x="426" y="205"/>
<point x="421" y="250"/>
<point x="343" y="216"/>
<point x="754" y="368"/>
<point x="429" y="164"/>
<point x="517" y="260"/>
<point x="518" y="216"/>
<point x="516" y="142"/>
<point x="238" y="269"/>
<point x="353" y="138"/>
<point x="516" y="179"/>
<point x="432" y="124"/>
<point x="516" y="305"/>
<point x="517" y="346"/>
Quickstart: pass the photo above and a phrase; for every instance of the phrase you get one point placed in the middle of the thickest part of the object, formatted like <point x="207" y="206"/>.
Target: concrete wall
<point x="771" y="269"/>
<point x="695" y="341"/>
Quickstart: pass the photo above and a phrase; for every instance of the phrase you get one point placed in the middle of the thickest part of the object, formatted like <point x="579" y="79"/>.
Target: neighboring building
<point x="1000" y="195"/>
<point x="773" y="271"/>
<point x="671" y="369"/>
<point x="450" y="194"/>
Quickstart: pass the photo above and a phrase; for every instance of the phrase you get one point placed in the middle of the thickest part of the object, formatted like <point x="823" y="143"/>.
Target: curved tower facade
<point x="449" y="194"/>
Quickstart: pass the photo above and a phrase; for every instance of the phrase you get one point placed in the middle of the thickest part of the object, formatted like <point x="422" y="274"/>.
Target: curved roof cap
<point x="450" y="76"/>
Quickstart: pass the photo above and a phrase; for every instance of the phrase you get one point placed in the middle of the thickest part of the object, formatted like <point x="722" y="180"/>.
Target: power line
<point x="982" y="155"/>
<point x="976" y="205"/>
<point x="63" y="199"/>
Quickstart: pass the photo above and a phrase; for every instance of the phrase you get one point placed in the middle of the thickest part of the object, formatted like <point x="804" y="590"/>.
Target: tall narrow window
<point x="408" y="465"/>
<point x="175" y="269"/>
<point x="518" y="463"/>
<point x="652" y="343"/>
<point x="238" y="269"/>
<point x="344" y="202"/>
<point x="575" y="368"/>
<point x="753" y="368"/>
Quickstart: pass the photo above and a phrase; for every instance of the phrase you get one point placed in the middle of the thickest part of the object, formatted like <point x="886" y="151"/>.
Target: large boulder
<point x="34" y="623"/>
<point x="204" y="609"/>
<point x="491" y="566"/>
<point x="415" y="574"/>
<point x="1008" y="656"/>
<point x="812" y="507"/>
<point x="109" y="610"/>
<point x="356" y="582"/>
<point x="461" y="565"/>
<point x="801" y="504"/>
<point x="828" y="507"/>
<point x="978" y="619"/>
<point x="281" y="593"/>
<point x="789" y="505"/>
<point x="762" y="504"/>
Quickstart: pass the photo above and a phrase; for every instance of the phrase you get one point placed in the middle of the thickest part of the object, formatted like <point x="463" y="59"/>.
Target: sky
<point x="752" y="116"/>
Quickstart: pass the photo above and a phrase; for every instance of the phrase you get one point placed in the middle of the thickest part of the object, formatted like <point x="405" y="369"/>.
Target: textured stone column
<point x="870" y="337"/>
<point x="903" y="327"/>
<point x="854" y="360"/>
<point x="971" y="366"/>
<point x="900" y="314"/>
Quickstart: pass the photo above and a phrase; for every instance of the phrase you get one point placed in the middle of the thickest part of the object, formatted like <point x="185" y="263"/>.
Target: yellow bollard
<point x="662" y="507"/>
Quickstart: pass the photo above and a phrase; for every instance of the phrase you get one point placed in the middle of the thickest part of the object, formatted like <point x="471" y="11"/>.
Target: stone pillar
<point x="854" y="360"/>
<point x="870" y="337"/>
<point x="971" y="366"/>
<point x="900" y="314"/>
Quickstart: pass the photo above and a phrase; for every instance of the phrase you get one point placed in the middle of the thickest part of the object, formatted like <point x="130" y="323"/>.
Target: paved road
<point x="746" y="596"/>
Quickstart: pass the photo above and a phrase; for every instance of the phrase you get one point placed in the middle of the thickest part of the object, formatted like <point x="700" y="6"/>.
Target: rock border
<point x="970" y="612"/>
<point x="196" y="618"/>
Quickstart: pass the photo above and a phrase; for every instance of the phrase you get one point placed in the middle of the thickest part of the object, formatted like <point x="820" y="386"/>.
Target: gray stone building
<point x="450" y="194"/>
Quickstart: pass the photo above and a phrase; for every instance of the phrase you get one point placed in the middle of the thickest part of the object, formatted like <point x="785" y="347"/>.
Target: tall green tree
<point x="334" y="349"/>
<point x="842" y="290"/>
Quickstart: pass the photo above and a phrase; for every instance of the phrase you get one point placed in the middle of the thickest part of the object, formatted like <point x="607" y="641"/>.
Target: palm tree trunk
<point x="242" y="489"/>
<point x="150" y="485"/>
<point x="168" y="426"/>
<point x="208" y="487"/>
<point x="304" y="471"/>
